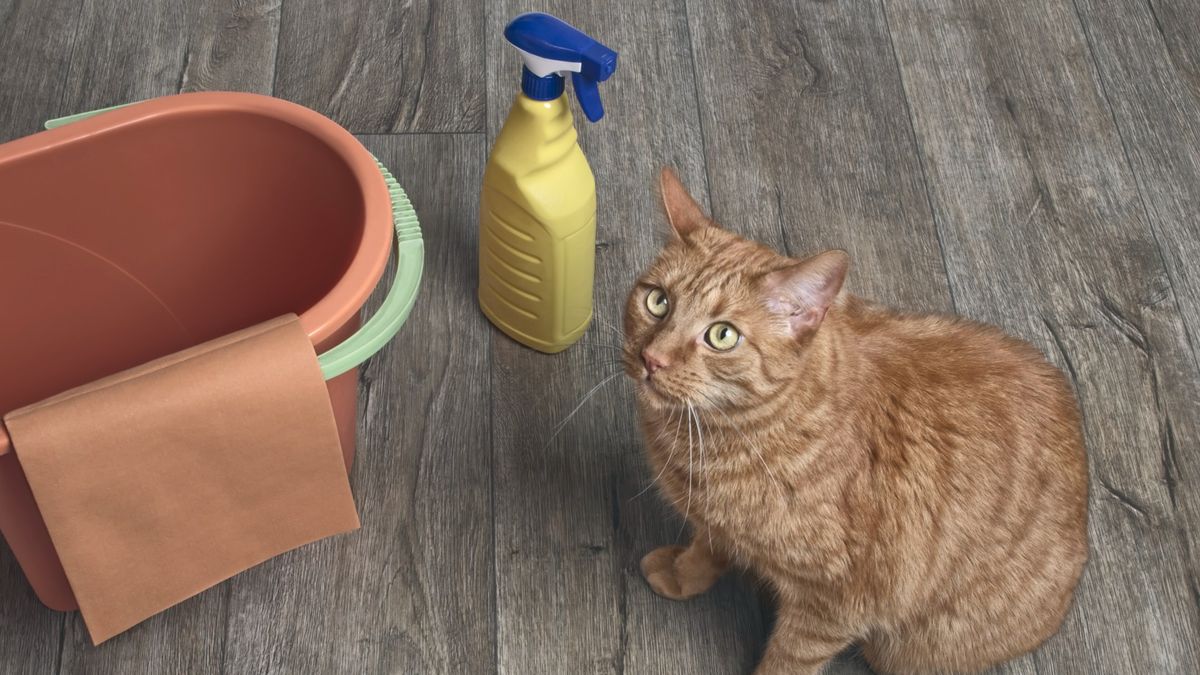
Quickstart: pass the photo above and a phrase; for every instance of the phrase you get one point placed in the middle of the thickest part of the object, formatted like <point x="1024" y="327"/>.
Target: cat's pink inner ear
<point x="683" y="212"/>
<point x="803" y="292"/>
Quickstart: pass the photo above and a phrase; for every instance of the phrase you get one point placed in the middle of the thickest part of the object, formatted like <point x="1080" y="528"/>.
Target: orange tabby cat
<point x="914" y="483"/>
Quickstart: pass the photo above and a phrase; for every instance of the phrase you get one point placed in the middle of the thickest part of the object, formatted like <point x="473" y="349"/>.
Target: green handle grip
<point x="410" y="263"/>
<point x="64" y="121"/>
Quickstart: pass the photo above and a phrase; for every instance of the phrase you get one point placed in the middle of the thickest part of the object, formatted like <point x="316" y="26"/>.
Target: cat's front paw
<point x="669" y="575"/>
<point x="658" y="568"/>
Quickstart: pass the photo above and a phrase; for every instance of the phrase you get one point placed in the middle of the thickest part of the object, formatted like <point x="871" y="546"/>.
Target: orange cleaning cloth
<point x="164" y="480"/>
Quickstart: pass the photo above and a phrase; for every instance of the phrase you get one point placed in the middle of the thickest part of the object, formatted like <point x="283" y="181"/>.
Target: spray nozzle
<point x="552" y="47"/>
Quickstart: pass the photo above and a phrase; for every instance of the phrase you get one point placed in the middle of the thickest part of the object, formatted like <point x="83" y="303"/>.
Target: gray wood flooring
<point x="1032" y="163"/>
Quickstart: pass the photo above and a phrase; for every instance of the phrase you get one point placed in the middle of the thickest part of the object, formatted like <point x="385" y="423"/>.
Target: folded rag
<point x="166" y="479"/>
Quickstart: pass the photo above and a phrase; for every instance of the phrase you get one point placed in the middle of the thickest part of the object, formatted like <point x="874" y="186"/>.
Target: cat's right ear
<point x="683" y="212"/>
<point x="804" y="291"/>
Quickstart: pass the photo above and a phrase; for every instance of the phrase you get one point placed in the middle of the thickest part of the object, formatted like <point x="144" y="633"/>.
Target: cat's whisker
<point x="670" y="455"/>
<point x="606" y="323"/>
<point x="617" y="331"/>
<point x="761" y="460"/>
<point x="601" y="345"/>
<point x="592" y="392"/>
<point x="600" y="360"/>
<point x="700" y="436"/>
<point x="704" y="475"/>
<point x="688" y="510"/>
<point x="620" y="365"/>
<point x="667" y="425"/>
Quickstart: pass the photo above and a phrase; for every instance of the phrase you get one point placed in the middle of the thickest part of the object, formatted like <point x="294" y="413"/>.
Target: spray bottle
<point x="537" y="214"/>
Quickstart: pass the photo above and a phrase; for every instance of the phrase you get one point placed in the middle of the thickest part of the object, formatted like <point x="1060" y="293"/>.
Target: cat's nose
<point x="654" y="362"/>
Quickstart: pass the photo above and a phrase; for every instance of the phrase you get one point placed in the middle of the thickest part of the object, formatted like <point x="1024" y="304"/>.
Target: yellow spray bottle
<point x="537" y="215"/>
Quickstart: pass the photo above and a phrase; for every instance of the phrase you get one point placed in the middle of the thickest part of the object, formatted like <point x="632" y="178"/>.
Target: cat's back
<point x="967" y="391"/>
<point x="949" y="366"/>
<point x="976" y="437"/>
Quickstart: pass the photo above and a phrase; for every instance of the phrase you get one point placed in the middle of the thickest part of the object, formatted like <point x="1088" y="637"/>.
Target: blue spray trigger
<point x="588" y="94"/>
<point x="550" y="47"/>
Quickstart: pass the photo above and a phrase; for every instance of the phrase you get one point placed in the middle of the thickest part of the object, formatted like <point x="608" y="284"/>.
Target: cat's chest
<point x="716" y="476"/>
<point x="753" y="504"/>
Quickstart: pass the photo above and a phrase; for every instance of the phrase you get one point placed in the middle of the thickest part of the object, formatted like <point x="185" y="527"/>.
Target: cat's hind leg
<point x="680" y="573"/>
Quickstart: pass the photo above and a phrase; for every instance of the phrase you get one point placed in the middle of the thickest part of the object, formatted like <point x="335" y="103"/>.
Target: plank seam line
<point x="278" y="41"/>
<point x="225" y="636"/>
<point x="62" y="642"/>
<point x="708" y="187"/>
<point x="491" y="370"/>
<point x="62" y="92"/>
<point x="410" y="118"/>
<point x="919" y="152"/>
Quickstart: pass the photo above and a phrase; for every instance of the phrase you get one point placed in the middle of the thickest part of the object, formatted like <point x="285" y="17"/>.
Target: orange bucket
<point x="151" y="228"/>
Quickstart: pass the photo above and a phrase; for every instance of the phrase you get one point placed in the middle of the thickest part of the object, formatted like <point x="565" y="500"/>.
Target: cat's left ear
<point x="804" y="291"/>
<point x="683" y="212"/>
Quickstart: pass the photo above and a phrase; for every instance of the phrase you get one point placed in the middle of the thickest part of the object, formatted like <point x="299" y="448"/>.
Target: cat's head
<point x="718" y="320"/>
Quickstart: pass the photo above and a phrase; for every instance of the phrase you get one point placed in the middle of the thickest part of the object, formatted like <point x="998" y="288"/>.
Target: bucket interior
<point x="146" y="238"/>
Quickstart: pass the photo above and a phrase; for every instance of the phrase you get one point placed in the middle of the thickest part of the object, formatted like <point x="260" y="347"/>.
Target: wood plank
<point x="231" y="46"/>
<point x="35" y="44"/>
<point x="185" y="639"/>
<point x="1148" y="59"/>
<point x="1044" y="234"/>
<point x="570" y="526"/>
<point x="149" y="49"/>
<point x="412" y="591"/>
<point x="384" y="66"/>
<point x="30" y="634"/>
<point x="128" y="55"/>
<point x="807" y="97"/>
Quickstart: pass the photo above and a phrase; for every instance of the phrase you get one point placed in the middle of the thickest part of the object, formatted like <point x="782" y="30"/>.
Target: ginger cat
<point x="916" y="484"/>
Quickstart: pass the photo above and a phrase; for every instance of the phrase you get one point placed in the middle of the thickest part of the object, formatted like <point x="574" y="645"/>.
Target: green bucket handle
<point x="410" y="263"/>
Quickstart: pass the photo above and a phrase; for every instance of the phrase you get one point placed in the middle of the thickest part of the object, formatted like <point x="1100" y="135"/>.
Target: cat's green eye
<point x="657" y="303"/>
<point x="722" y="336"/>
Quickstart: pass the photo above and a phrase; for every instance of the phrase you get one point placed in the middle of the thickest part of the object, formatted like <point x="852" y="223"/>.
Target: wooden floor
<point x="1033" y="163"/>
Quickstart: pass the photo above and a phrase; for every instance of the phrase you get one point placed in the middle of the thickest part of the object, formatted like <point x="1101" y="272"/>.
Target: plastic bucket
<point x="141" y="231"/>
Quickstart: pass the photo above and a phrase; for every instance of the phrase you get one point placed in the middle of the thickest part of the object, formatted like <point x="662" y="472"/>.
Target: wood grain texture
<point x="1044" y="234"/>
<point x="30" y="635"/>
<point x="231" y="46"/>
<point x="185" y="639"/>
<point x="570" y="524"/>
<point x="808" y="142"/>
<point x="36" y="40"/>
<point x="1148" y="59"/>
<point x="378" y="66"/>
<point x="412" y="591"/>
<point x="129" y="51"/>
